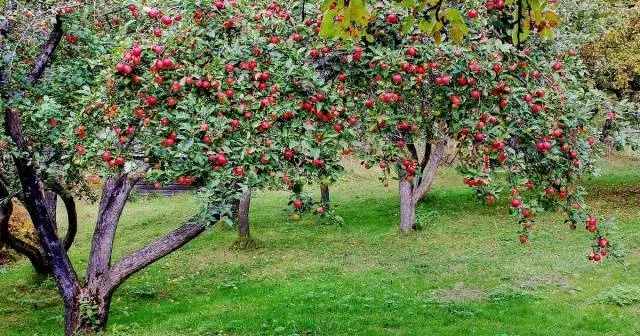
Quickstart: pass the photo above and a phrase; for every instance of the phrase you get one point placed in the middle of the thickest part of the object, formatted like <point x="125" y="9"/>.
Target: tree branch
<point x="149" y="254"/>
<point x="114" y="197"/>
<point x="425" y="159"/>
<point x="42" y="62"/>
<point x="412" y="149"/>
<point x="72" y="219"/>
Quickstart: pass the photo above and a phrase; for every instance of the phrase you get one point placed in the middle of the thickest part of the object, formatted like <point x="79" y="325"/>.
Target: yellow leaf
<point x="328" y="27"/>
<point x="547" y="33"/>
<point x="552" y="18"/>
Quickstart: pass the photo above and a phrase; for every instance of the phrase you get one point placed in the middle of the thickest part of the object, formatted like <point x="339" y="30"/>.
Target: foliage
<point x="438" y="19"/>
<point x="612" y="57"/>
<point x="603" y="34"/>
<point x="223" y="111"/>
<point x="508" y="107"/>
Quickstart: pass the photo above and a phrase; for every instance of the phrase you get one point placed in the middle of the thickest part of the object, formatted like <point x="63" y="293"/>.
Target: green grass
<point x="465" y="273"/>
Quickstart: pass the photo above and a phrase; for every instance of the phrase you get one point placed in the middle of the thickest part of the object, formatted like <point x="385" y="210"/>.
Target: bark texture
<point x="243" y="216"/>
<point x="324" y="196"/>
<point x="407" y="207"/>
<point x="115" y="193"/>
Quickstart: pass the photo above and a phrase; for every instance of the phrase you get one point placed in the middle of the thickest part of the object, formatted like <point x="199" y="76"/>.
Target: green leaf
<point x="328" y="27"/>
<point x="407" y="26"/>
<point x="547" y="33"/>
<point x="425" y="26"/>
<point x="408" y="3"/>
<point x="458" y="27"/>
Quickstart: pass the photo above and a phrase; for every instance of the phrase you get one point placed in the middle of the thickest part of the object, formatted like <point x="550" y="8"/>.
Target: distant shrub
<point x="20" y="226"/>
<point x="613" y="58"/>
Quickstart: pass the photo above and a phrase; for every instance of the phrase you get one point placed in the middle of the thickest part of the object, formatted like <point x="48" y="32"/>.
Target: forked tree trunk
<point x="411" y="194"/>
<point x="92" y="306"/>
<point x="243" y="216"/>
<point x="102" y="279"/>
<point x="324" y="196"/>
<point x="407" y="206"/>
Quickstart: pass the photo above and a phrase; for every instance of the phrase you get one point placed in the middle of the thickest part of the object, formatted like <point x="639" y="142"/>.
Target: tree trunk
<point x="411" y="194"/>
<point x="324" y="195"/>
<point x="407" y="206"/>
<point x="56" y="256"/>
<point x="90" y="312"/>
<point x="243" y="216"/>
<point x="51" y="200"/>
<point x="36" y="204"/>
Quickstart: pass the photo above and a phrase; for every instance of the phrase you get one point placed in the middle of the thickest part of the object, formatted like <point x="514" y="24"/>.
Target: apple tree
<point x="210" y="96"/>
<point x="485" y="82"/>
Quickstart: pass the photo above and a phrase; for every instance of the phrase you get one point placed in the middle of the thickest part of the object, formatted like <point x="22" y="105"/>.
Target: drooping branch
<point x="12" y="116"/>
<point x="72" y="220"/>
<point x="72" y="214"/>
<point x="149" y="254"/>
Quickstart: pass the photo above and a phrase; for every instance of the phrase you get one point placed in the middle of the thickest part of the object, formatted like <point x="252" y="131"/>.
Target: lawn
<point x="465" y="273"/>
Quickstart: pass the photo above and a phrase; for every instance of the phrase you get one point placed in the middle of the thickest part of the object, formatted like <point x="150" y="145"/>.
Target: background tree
<point x="602" y="34"/>
<point x="487" y="84"/>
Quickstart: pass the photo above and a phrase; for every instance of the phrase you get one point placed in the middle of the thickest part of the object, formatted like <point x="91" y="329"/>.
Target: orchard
<point x="266" y="101"/>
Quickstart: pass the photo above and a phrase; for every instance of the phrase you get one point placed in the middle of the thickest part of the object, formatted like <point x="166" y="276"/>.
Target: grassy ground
<point x="464" y="274"/>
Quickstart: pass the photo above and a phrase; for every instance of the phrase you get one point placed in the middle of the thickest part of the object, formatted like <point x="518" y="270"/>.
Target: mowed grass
<point x="465" y="273"/>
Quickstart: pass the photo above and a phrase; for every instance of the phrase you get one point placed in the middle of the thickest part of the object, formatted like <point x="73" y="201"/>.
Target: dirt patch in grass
<point x="536" y="282"/>
<point x="458" y="293"/>
<point x="616" y="197"/>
